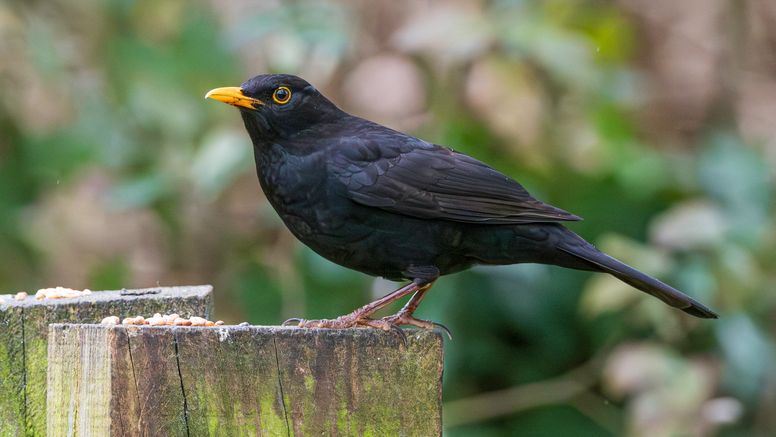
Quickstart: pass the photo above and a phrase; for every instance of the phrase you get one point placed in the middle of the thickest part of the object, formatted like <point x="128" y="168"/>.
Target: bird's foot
<point x="390" y="323"/>
<point x="352" y="320"/>
<point x="405" y="318"/>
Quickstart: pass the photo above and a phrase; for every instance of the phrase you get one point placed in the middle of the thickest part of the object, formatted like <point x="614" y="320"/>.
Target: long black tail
<point x="576" y="246"/>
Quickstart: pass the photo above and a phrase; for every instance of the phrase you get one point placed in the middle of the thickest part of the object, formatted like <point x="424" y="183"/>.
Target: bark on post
<point x="24" y="338"/>
<point x="242" y="380"/>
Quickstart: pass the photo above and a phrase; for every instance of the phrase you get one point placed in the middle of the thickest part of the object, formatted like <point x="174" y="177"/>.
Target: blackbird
<point x="388" y="204"/>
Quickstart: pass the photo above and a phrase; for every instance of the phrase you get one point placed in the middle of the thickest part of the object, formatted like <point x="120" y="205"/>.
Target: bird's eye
<point x="281" y="95"/>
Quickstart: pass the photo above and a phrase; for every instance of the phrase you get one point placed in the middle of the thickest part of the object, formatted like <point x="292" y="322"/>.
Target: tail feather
<point x="637" y="279"/>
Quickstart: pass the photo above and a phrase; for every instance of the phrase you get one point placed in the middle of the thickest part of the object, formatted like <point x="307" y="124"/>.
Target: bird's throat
<point x="258" y="128"/>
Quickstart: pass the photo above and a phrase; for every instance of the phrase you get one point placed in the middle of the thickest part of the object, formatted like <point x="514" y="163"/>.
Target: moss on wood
<point x="24" y="341"/>
<point x="247" y="381"/>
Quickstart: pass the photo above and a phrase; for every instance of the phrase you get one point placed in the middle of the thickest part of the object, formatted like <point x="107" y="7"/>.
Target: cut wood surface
<point x="242" y="381"/>
<point x="24" y="338"/>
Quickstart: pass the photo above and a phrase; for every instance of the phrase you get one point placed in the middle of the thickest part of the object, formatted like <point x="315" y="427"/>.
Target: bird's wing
<point x="423" y="180"/>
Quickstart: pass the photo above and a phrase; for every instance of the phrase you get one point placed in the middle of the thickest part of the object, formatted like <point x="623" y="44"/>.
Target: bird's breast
<point x="300" y="192"/>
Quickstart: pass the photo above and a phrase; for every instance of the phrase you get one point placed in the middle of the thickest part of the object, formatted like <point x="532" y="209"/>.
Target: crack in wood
<point x="183" y="390"/>
<point x="134" y="380"/>
<point x="24" y="373"/>
<point x="280" y="384"/>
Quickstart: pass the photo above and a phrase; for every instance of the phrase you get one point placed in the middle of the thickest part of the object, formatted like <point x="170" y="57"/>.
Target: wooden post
<point x="24" y="338"/>
<point x="242" y="381"/>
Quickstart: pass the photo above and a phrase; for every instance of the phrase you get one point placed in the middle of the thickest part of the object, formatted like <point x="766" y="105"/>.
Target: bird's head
<point x="275" y="106"/>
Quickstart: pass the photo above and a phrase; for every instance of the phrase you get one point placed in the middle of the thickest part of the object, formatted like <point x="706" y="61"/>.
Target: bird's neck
<point x="259" y="129"/>
<point x="264" y="132"/>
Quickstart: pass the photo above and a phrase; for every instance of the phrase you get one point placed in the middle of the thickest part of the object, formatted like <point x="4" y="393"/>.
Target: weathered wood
<point x="242" y="381"/>
<point x="24" y="341"/>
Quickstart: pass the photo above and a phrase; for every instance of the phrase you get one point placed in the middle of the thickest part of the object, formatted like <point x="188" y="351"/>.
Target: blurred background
<point x="655" y="120"/>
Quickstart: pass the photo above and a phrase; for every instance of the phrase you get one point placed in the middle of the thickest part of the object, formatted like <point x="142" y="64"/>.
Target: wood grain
<point x="243" y="381"/>
<point x="24" y="341"/>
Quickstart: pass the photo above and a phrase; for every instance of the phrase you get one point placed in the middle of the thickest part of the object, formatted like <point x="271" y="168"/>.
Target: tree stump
<point x="242" y="380"/>
<point x="24" y="338"/>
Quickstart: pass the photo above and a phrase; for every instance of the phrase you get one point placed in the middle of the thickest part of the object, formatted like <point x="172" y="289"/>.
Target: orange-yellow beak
<point x="234" y="96"/>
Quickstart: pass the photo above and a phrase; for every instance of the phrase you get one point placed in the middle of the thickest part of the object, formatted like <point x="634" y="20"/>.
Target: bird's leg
<point x="405" y="317"/>
<point x="360" y="317"/>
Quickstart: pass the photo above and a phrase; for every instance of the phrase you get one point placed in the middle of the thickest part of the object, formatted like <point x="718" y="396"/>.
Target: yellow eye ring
<point x="282" y="95"/>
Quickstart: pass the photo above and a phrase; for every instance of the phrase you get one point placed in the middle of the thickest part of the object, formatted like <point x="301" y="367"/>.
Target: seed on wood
<point x="156" y="321"/>
<point x="60" y="293"/>
<point x="110" y="320"/>
<point x="164" y="319"/>
<point x="197" y="321"/>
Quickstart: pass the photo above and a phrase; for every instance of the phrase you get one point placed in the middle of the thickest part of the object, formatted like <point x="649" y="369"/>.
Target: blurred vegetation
<point x="656" y="121"/>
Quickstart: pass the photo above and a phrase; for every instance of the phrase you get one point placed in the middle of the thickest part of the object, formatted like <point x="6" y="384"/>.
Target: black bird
<point x="388" y="204"/>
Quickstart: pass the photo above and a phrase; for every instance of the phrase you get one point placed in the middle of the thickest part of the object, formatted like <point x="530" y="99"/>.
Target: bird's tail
<point x="605" y="263"/>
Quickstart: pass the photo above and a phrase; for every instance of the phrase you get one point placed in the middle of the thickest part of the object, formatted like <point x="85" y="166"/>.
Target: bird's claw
<point x="444" y="329"/>
<point x="401" y="333"/>
<point x="390" y="323"/>
<point x="294" y="320"/>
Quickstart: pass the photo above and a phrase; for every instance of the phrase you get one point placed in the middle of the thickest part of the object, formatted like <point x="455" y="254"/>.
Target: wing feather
<point x="423" y="180"/>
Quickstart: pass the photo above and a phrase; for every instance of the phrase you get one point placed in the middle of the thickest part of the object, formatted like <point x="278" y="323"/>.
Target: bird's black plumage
<point x="388" y="204"/>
